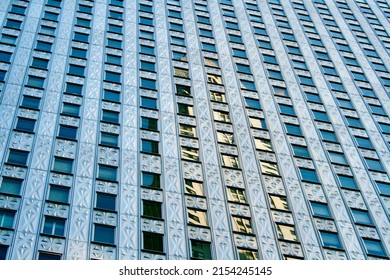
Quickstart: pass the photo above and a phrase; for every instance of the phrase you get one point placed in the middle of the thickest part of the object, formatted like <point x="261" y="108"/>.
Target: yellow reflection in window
<point x="269" y="168"/>
<point x="196" y="217"/>
<point x="287" y="232"/>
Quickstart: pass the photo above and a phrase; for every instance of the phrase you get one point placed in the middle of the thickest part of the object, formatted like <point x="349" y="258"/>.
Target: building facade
<point x="194" y="129"/>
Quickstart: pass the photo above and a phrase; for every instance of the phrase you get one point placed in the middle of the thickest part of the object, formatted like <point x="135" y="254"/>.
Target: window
<point x="377" y="110"/>
<point x="200" y="250"/>
<point x="8" y="39"/>
<point x="17" y="157"/>
<point x="149" y="146"/>
<point x="114" y="44"/>
<point x="179" y="56"/>
<point x="230" y="161"/>
<point x="3" y="252"/>
<point x="307" y="81"/>
<point x="361" y="217"/>
<point x="110" y="116"/>
<point x="330" y="239"/>
<point x="286" y="109"/>
<point x="337" y="158"/>
<point x="293" y="129"/>
<point x="36" y="82"/>
<point x="197" y="217"/>
<point x="81" y="37"/>
<point x="67" y="132"/>
<point x="146" y="21"/>
<point x="328" y="136"/>
<point x="247" y="254"/>
<point x="151" y="209"/>
<point x="225" y="137"/>
<point x="148" y="83"/>
<point x="275" y="74"/>
<point x="153" y="242"/>
<point x="6" y="219"/>
<point x="50" y="16"/>
<point x="54" y="226"/>
<point x="148" y="102"/>
<point x="214" y="79"/>
<point x="300" y="151"/>
<point x="384" y="188"/>
<point x="108" y="173"/>
<point x="181" y="72"/>
<point x="374" y="247"/>
<point x="70" y="109"/>
<point x="189" y="154"/>
<point x="286" y="232"/>
<point x="112" y="96"/>
<point x="83" y="22"/>
<point x="217" y="96"/>
<point x="347" y="182"/>
<point x="74" y="89"/>
<point x="113" y="77"/>
<point x="15" y="24"/>
<point x="236" y="195"/>
<point x="109" y="139"/>
<point x="252" y="103"/>
<point x="242" y="225"/>
<point x="79" y="53"/>
<point x="243" y="68"/>
<point x="26" y="125"/>
<point x="116" y="15"/>
<point x="239" y="53"/>
<point x="146" y="35"/>
<point x="104" y="234"/>
<point x="320" y="210"/>
<point x="147" y="66"/>
<point x="208" y="47"/>
<point x="308" y="175"/>
<point x="183" y="90"/>
<point x="320" y="116"/>
<point x="105" y="201"/>
<point x="258" y="123"/>
<point x="31" y="102"/>
<point x="63" y="165"/>
<point x="374" y="164"/>
<point x="150" y="180"/>
<point x="313" y="97"/>
<point x="185" y="109"/>
<point x="221" y="116"/>
<point x="39" y="63"/>
<point x="149" y="123"/>
<point x="354" y="122"/>
<point x="193" y="188"/>
<point x="49" y="256"/>
<point x="113" y="59"/>
<point x="11" y="186"/>
<point x="270" y="59"/>
<point x="76" y="70"/>
<point x="248" y="85"/>
<point x="278" y="202"/>
<point x="58" y="194"/>
<point x="187" y="130"/>
<point x="280" y="91"/>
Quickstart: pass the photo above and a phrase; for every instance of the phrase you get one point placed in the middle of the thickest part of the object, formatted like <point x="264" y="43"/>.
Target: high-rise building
<point x="194" y="129"/>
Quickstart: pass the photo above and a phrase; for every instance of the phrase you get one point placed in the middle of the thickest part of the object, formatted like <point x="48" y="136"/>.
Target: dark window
<point x="104" y="234"/>
<point x="63" y="165"/>
<point x="83" y="22"/>
<point x="148" y="123"/>
<point x="50" y="16"/>
<point x="110" y="116"/>
<point x="18" y="9"/>
<point x="361" y="217"/>
<point x="79" y="53"/>
<point x="347" y="182"/>
<point x="17" y="157"/>
<point x="320" y="210"/>
<point x="113" y="77"/>
<point x="3" y="252"/>
<point x="149" y="103"/>
<point x="151" y="209"/>
<point x="2" y="75"/>
<point x="54" y="226"/>
<point x="153" y="241"/>
<point x="74" y="88"/>
<point x="11" y="186"/>
<point x="287" y="109"/>
<point x="67" y="132"/>
<point x="300" y="151"/>
<point x="26" y="125"/>
<point x="15" y="24"/>
<point x="374" y="164"/>
<point x="149" y="146"/>
<point x="108" y="173"/>
<point x="293" y="129"/>
<point x="183" y="90"/>
<point x="252" y="103"/>
<point x="49" y="257"/>
<point x="8" y="39"/>
<point x="71" y="109"/>
<point x="76" y="70"/>
<point x="115" y="28"/>
<point x="150" y="180"/>
<point x="105" y="201"/>
<point x="6" y="219"/>
<point x="384" y="188"/>
<point x="36" y="82"/>
<point x="328" y="136"/>
<point x="374" y="247"/>
<point x="81" y="37"/>
<point x="248" y="85"/>
<point x="109" y="139"/>
<point x="43" y="46"/>
<point x="308" y="175"/>
<point x="114" y="59"/>
<point x="330" y="239"/>
<point x="148" y="83"/>
<point x="59" y="194"/>
<point x="114" y="43"/>
<point x="5" y="57"/>
<point x="200" y="250"/>
<point x="363" y="142"/>
<point x="31" y="102"/>
<point x="148" y="66"/>
<point x="147" y="50"/>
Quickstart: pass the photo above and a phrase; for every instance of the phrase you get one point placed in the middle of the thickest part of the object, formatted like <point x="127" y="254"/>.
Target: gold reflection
<point x="287" y="232"/>
<point x="194" y="187"/>
<point x="236" y="195"/>
<point x="269" y="168"/>
<point x="196" y="217"/>
<point x="278" y="202"/>
<point x="242" y="225"/>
